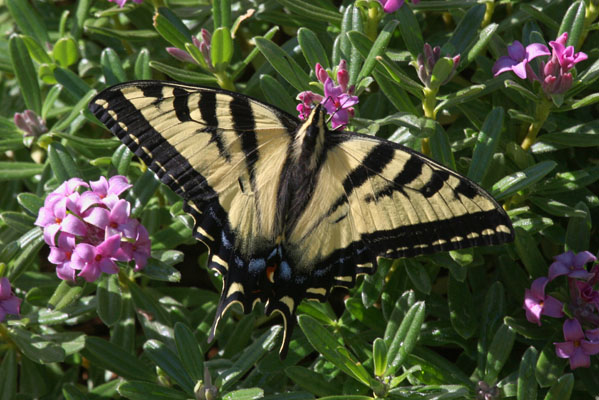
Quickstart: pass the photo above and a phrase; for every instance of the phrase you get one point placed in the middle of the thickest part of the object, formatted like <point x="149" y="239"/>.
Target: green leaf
<point x="573" y="139"/>
<point x="81" y="13"/>
<point x="461" y="312"/>
<point x="112" y="67"/>
<point x="548" y="366"/>
<point x="312" y="49"/>
<point x="28" y="20"/>
<point x="96" y="144"/>
<point x="527" y="385"/>
<point x="50" y="100"/>
<point x="65" y="294"/>
<point x="146" y="303"/>
<point x="527" y="249"/>
<point x="138" y="390"/>
<point x="249" y="358"/>
<point x="76" y="86"/>
<point x="573" y="23"/>
<point x="184" y="75"/>
<point x="25" y="72"/>
<point x="36" y="347"/>
<point x="189" y="351"/>
<point x="65" y="52"/>
<point x="484" y="37"/>
<point x="440" y="147"/>
<point x="466" y="31"/>
<point x="105" y="355"/>
<point x="169" y="363"/>
<point x="75" y="112"/>
<point x="36" y="50"/>
<point x="109" y="300"/>
<point x="586" y="101"/>
<point x="62" y="163"/>
<point x="171" y="28"/>
<point x="400" y="309"/>
<point x="405" y="338"/>
<point x="578" y="233"/>
<point x="161" y="271"/>
<point x="244" y="394"/>
<point x="121" y="158"/>
<point x="379" y="356"/>
<point x="284" y="64"/>
<point x="8" y="372"/>
<point x="29" y="246"/>
<point x="377" y="49"/>
<point x="132" y="35"/>
<point x="562" y="389"/>
<point x="521" y="89"/>
<point x="17" y="221"/>
<point x="221" y="49"/>
<point x="487" y="141"/>
<point x="311" y="381"/>
<point x="499" y="352"/>
<point x="312" y="11"/>
<point x="521" y="180"/>
<point x="30" y="203"/>
<point x="410" y="31"/>
<point x="461" y="96"/>
<point x="221" y="13"/>
<point x="141" y="192"/>
<point x="275" y="93"/>
<point x="327" y="344"/>
<point x="142" y="65"/>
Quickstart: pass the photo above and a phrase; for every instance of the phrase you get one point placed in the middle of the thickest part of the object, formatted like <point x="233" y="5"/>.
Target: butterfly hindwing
<point x="377" y="198"/>
<point x="289" y="209"/>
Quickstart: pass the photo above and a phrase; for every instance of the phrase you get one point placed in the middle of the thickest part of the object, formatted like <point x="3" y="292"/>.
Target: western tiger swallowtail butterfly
<point x="289" y="208"/>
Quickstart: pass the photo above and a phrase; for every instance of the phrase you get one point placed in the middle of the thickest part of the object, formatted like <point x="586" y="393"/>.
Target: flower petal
<point x="552" y="307"/>
<point x="535" y="50"/>
<point x="572" y="330"/>
<point x="503" y="64"/>
<point x="516" y="51"/>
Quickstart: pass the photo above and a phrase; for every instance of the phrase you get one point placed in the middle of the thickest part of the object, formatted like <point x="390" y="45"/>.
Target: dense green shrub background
<point x="444" y="322"/>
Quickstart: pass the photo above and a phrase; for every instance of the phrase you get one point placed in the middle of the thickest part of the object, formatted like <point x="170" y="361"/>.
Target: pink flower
<point x="89" y="232"/>
<point x="554" y="76"/>
<point x="390" y="6"/>
<point x="536" y="303"/>
<point x="338" y="104"/>
<point x="518" y="58"/>
<point x="576" y="348"/>
<point x="121" y="3"/>
<point x="113" y="221"/>
<point x="30" y="123"/>
<point x="337" y="100"/>
<point x="57" y="213"/>
<point x="93" y="260"/>
<point x="572" y="265"/>
<point x="61" y="256"/>
<point x="9" y="303"/>
<point x="425" y="64"/>
<point x="203" y="45"/>
<point x="565" y="55"/>
<point x="139" y="250"/>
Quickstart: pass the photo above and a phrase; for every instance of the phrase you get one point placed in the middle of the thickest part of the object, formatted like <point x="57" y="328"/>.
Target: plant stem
<point x="541" y="114"/>
<point x="428" y="106"/>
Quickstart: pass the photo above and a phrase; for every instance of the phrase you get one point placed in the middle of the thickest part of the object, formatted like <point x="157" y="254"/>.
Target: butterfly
<point x="289" y="208"/>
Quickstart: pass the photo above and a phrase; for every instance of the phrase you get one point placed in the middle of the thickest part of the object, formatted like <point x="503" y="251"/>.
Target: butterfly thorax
<point x="308" y="151"/>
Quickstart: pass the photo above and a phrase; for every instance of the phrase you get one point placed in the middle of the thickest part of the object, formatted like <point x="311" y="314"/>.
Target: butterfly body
<point x="290" y="209"/>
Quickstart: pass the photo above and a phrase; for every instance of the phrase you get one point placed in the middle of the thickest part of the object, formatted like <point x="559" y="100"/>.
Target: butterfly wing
<point x="222" y="152"/>
<point x="376" y="198"/>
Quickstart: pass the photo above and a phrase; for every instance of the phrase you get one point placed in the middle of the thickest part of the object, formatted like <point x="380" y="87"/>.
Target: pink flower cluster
<point x="582" y="307"/>
<point x="89" y="232"/>
<point x="555" y="76"/>
<point x="338" y="100"/>
<point x="9" y="303"/>
<point x="121" y="3"/>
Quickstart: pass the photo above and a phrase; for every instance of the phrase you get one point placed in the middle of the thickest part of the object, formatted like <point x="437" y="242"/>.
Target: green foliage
<point x="426" y="328"/>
